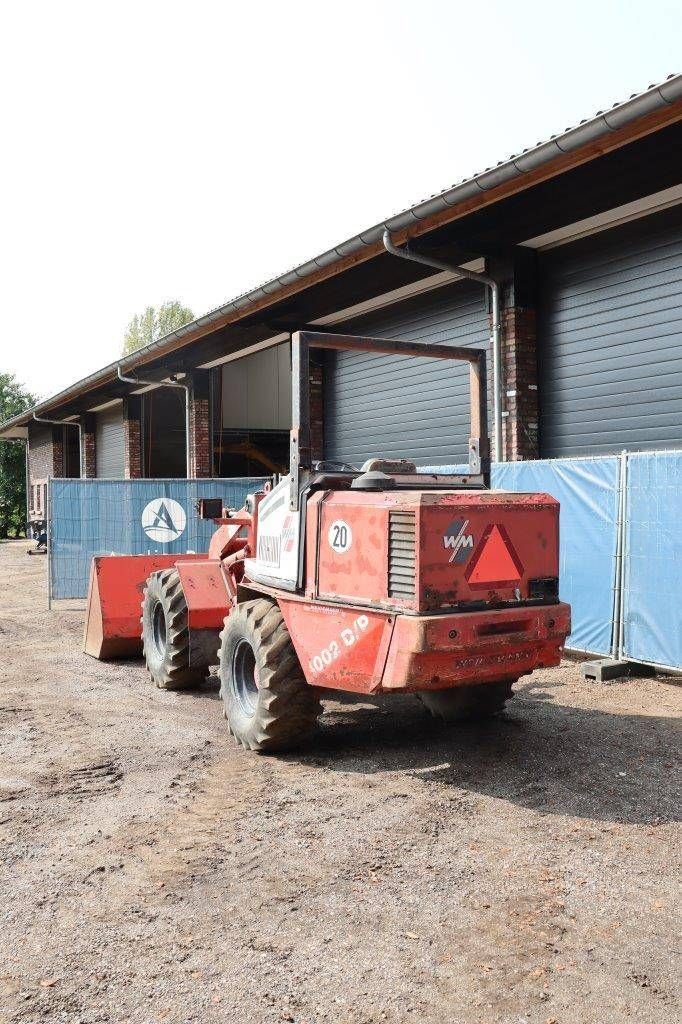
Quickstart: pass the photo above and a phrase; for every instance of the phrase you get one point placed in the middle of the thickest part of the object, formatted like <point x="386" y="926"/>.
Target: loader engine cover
<point x="433" y="551"/>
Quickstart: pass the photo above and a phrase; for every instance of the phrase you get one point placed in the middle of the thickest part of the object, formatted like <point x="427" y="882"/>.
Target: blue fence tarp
<point x="652" y="610"/>
<point x="94" y="517"/>
<point x="587" y="490"/>
<point x="102" y="517"/>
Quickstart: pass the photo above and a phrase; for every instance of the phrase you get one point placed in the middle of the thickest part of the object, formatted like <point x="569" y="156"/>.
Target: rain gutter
<point x="415" y="220"/>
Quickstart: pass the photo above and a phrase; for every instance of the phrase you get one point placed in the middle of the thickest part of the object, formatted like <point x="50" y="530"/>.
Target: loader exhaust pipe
<point x="433" y="261"/>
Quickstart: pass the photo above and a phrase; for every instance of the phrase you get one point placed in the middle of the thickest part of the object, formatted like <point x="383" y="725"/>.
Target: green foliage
<point x="153" y="324"/>
<point x="13" y="400"/>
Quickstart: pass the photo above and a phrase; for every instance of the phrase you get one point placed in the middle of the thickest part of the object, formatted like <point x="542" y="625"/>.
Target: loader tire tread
<point x="465" y="703"/>
<point x="286" y="707"/>
<point x="170" y="668"/>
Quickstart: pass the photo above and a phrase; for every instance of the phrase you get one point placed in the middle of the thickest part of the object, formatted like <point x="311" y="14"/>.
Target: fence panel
<point x="102" y="517"/>
<point x="588" y="492"/>
<point x="652" y="611"/>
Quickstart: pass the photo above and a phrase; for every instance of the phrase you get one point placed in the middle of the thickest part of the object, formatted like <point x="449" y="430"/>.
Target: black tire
<point x="267" y="702"/>
<point x="467" y="702"/>
<point x="165" y="634"/>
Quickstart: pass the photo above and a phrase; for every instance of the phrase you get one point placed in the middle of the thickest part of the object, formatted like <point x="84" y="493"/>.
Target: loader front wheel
<point x="462" y="703"/>
<point x="267" y="702"/>
<point x="165" y="633"/>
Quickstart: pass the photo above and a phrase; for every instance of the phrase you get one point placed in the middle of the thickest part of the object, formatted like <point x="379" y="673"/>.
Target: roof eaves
<point x="603" y="123"/>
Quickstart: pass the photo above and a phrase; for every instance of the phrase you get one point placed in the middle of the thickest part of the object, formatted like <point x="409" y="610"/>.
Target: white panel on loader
<point x="278" y="537"/>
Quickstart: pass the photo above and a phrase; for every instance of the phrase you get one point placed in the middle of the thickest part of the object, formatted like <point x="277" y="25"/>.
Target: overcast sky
<point x="157" y="150"/>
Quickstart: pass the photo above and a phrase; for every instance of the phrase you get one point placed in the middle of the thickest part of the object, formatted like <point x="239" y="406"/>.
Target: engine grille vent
<point x="401" y="554"/>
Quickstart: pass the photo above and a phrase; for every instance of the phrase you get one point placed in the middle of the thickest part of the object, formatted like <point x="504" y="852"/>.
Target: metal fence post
<point x="48" y="522"/>
<point x="623" y="547"/>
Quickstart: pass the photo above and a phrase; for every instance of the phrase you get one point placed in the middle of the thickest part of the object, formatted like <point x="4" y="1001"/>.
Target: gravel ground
<point x="522" y="871"/>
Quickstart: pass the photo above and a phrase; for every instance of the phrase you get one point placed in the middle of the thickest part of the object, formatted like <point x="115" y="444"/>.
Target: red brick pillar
<point x="520" y="384"/>
<point x="316" y="412"/>
<point x="516" y="272"/>
<point x="200" y="423"/>
<point x="132" y="436"/>
<point x="89" y="452"/>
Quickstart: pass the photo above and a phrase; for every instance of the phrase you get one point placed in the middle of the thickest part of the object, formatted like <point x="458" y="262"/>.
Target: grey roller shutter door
<point x="610" y="341"/>
<point x="109" y="443"/>
<point x="405" y="407"/>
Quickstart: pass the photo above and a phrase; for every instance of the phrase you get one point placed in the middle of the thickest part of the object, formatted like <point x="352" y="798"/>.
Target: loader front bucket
<point x="112" y="618"/>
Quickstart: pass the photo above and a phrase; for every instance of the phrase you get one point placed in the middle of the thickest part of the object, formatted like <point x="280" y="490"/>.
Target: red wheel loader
<point x="373" y="580"/>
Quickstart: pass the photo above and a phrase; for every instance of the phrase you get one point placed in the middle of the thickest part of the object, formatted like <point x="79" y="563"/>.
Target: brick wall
<point x="132" y="436"/>
<point x="200" y="423"/>
<point x="520" y="384"/>
<point x="45" y="453"/>
<point x="40" y="452"/>
<point x="517" y="273"/>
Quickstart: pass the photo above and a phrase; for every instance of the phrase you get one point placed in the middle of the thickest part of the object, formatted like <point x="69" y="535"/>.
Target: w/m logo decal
<point x="459" y="541"/>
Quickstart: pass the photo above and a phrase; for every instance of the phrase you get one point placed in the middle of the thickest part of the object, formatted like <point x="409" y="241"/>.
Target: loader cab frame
<point x="302" y="471"/>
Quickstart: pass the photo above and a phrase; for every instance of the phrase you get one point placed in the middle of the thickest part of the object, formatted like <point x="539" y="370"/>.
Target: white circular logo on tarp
<point x="163" y="520"/>
<point x="340" y="536"/>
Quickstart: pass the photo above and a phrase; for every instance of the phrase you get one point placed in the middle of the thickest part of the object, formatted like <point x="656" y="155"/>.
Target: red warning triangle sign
<point x="495" y="561"/>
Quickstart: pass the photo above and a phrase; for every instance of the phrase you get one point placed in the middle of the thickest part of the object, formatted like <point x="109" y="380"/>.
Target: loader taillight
<point x="544" y="589"/>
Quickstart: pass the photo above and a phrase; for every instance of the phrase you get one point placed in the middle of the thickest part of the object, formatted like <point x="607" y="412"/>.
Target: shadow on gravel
<point x="546" y="756"/>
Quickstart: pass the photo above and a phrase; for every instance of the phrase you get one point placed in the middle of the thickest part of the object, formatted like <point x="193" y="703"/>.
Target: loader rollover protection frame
<point x="300" y="460"/>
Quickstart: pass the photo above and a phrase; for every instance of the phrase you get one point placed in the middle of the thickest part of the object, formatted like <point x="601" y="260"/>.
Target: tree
<point x="154" y="323"/>
<point x="13" y="400"/>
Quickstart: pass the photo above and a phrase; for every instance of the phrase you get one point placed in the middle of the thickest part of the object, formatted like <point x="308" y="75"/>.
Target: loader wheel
<point x="466" y="702"/>
<point x="165" y="635"/>
<point x="267" y="702"/>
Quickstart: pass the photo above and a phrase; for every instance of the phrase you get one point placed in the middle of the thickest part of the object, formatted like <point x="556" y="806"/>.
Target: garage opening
<point x="163" y="433"/>
<point x="72" y="452"/>
<point x="252" y="414"/>
<point x="109" y="443"/>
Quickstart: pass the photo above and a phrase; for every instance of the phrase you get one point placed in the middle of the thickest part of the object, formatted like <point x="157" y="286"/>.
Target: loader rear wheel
<point x="267" y="702"/>
<point x="466" y="702"/>
<point x="165" y="634"/>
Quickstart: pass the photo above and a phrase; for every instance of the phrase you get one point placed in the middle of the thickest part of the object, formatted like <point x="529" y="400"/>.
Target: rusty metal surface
<point x="441" y="651"/>
<point x="457" y="547"/>
<point x="341" y="648"/>
<point x="370" y="650"/>
<point x="208" y="600"/>
<point x="112" y="618"/>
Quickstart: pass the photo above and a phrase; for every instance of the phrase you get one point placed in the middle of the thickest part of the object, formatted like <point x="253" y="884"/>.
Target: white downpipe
<point x="489" y="282"/>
